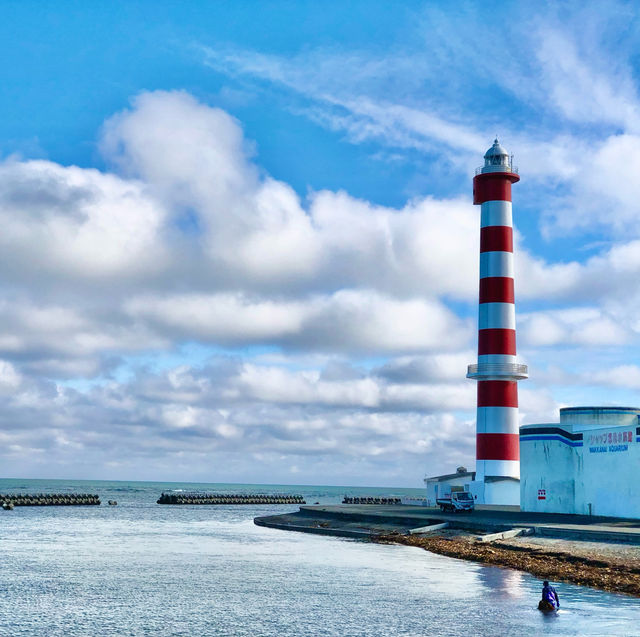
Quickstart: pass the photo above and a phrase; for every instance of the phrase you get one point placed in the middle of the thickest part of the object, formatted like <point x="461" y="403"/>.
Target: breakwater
<point x="222" y="498"/>
<point x="11" y="500"/>
<point x="356" y="500"/>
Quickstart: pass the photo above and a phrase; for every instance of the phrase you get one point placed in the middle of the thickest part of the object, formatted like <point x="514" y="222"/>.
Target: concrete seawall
<point x="371" y="520"/>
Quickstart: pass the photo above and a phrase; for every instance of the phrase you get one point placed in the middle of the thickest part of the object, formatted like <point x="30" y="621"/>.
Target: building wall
<point x="440" y="489"/>
<point x="547" y="470"/>
<point x="609" y="471"/>
<point x="579" y="467"/>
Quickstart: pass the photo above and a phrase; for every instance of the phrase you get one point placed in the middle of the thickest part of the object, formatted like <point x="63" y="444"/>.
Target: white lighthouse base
<point x="498" y="490"/>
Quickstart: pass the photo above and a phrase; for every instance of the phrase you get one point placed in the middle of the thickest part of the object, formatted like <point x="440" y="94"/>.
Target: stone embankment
<point x="11" y="500"/>
<point x="221" y="498"/>
<point x="605" y="574"/>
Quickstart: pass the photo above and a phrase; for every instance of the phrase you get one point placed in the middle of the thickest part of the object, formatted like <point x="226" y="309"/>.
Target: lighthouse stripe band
<point x="496" y="213"/>
<point x="496" y="239"/>
<point x="496" y="359"/>
<point x="496" y="264"/>
<point x="497" y="393"/>
<point x="510" y="468"/>
<point x="497" y="315"/>
<point x="493" y="187"/>
<point x="498" y="420"/>
<point x="496" y="341"/>
<point x="497" y="446"/>
<point x="496" y="289"/>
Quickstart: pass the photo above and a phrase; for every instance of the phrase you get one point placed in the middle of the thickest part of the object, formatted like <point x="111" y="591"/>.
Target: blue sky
<point x="239" y="241"/>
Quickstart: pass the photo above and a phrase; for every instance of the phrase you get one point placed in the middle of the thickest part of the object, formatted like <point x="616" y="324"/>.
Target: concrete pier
<point x="365" y="521"/>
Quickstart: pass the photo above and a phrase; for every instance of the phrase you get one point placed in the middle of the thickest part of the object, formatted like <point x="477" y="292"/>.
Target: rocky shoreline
<point x="596" y="569"/>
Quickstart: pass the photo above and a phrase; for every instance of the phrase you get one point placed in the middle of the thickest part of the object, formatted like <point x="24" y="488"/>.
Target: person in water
<point x="550" y="595"/>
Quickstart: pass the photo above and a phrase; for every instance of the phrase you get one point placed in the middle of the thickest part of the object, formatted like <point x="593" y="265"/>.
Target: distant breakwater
<point x="362" y="500"/>
<point x="221" y="498"/>
<point x="9" y="501"/>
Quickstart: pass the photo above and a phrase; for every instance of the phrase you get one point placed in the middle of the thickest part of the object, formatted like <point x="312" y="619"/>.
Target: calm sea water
<point x="146" y="569"/>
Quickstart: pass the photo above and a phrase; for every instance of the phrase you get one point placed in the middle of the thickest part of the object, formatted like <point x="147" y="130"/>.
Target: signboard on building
<point x="610" y="441"/>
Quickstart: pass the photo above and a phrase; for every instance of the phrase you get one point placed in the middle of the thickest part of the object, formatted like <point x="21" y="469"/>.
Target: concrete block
<point x="428" y="529"/>
<point x="504" y="535"/>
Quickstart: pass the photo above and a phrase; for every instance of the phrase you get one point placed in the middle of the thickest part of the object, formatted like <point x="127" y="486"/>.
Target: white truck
<point x="455" y="502"/>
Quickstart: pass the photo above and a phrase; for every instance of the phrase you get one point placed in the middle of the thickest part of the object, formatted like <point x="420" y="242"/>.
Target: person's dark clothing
<point x="549" y="593"/>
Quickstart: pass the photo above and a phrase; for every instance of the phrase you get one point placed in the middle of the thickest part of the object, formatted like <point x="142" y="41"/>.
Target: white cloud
<point x="196" y="158"/>
<point x="188" y="239"/>
<point x="10" y="378"/>
<point x="238" y="413"/>
<point x="432" y="368"/>
<point x="347" y="320"/>
<point x="77" y="222"/>
<point x="224" y="318"/>
<point x="576" y="326"/>
<point x="620" y="376"/>
<point x="537" y="405"/>
<point x="583" y="84"/>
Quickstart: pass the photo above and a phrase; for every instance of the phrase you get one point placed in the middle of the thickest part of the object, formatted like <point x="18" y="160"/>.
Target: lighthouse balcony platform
<point x="508" y="168"/>
<point x="498" y="371"/>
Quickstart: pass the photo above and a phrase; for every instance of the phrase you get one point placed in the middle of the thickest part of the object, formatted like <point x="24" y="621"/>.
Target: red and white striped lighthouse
<point x="497" y="373"/>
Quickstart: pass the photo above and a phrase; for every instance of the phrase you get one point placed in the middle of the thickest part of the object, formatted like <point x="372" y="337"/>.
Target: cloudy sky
<point x="238" y="242"/>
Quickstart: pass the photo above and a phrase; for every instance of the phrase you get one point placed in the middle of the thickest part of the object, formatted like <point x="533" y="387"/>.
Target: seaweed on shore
<point x="602" y="574"/>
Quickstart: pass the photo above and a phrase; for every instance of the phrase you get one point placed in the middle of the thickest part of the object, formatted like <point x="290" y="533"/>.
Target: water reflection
<point x="505" y="582"/>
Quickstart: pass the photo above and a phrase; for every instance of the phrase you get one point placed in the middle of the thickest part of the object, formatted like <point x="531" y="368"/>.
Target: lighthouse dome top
<point x="497" y="159"/>
<point x="496" y="150"/>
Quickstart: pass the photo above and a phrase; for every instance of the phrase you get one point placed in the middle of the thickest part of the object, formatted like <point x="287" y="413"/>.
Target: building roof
<point x="450" y="476"/>
<point x="540" y="424"/>
<point x="606" y="409"/>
